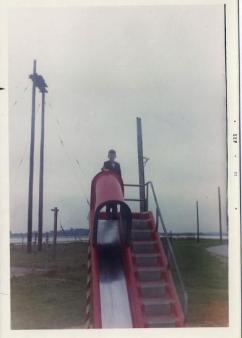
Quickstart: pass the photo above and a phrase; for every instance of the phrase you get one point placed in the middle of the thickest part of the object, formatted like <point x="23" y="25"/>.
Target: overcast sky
<point x="104" y="67"/>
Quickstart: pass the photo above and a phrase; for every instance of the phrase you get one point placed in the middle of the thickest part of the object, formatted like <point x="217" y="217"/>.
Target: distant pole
<point x="47" y="239"/>
<point x="31" y="163"/>
<point x="41" y="173"/>
<point x="141" y="164"/>
<point x="220" y="215"/>
<point x="22" y="236"/>
<point x="35" y="238"/>
<point x="55" y="210"/>
<point x="197" y="222"/>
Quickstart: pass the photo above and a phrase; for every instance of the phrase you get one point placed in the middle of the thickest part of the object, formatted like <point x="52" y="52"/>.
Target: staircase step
<point x="146" y="259"/>
<point x="157" y="306"/>
<point x="161" y="321"/>
<point x="151" y="273"/>
<point x="153" y="289"/>
<point x="144" y="246"/>
<point x="140" y="224"/>
<point x="141" y="234"/>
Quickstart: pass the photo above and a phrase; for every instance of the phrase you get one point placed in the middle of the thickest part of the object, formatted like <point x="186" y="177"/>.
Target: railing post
<point x="147" y="197"/>
<point x="156" y="219"/>
<point x="141" y="165"/>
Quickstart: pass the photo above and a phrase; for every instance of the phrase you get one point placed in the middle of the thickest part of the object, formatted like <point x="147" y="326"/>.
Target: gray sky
<point x="104" y="67"/>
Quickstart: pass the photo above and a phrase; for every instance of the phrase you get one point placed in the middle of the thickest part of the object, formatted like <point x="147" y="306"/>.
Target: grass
<point x="206" y="279"/>
<point x="44" y="303"/>
<point x="55" y="298"/>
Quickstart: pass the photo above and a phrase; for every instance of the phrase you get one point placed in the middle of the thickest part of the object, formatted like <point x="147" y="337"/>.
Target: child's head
<point x="112" y="154"/>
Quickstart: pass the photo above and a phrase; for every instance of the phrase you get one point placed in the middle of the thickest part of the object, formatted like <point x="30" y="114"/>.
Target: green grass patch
<point x="54" y="298"/>
<point x="206" y="280"/>
<point x="46" y="303"/>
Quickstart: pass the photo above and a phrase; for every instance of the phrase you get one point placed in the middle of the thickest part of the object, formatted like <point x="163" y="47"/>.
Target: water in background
<point x="60" y="239"/>
<point x="68" y="239"/>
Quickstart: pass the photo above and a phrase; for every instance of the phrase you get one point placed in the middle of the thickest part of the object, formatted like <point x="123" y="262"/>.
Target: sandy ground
<point x="220" y="251"/>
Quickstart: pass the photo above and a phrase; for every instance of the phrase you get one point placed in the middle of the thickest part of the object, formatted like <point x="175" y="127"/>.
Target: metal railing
<point x="170" y="251"/>
<point x="134" y="199"/>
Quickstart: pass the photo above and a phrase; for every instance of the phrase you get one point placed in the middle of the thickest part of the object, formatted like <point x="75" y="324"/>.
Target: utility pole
<point x="141" y="165"/>
<point x="198" y="231"/>
<point x="55" y="210"/>
<point x="42" y="86"/>
<point x="31" y="163"/>
<point x="39" y="82"/>
<point x="220" y="215"/>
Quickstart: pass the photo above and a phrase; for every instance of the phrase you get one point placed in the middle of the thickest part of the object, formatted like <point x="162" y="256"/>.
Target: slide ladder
<point x="158" y="297"/>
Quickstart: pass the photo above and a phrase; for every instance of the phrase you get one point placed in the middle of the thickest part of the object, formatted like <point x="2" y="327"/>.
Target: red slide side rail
<point x="106" y="187"/>
<point x="134" y="298"/>
<point x="95" y="289"/>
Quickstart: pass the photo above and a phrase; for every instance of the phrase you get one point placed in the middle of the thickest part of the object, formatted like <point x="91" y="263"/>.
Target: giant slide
<point x="130" y="284"/>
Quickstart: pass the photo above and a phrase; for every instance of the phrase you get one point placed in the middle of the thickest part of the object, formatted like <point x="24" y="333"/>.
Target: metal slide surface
<point x="115" y="308"/>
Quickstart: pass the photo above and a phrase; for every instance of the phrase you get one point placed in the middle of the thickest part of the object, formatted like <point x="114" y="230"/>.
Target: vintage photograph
<point x="118" y="167"/>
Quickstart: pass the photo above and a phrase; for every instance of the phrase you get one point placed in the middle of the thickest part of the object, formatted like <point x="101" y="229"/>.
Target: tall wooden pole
<point x="55" y="210"/>
<point x="141" y="164"/>
<point x="41" y="173"/>
<point x="198" y="230"/>
<point x="220" y="215"/>
<point x="31" y="164"/>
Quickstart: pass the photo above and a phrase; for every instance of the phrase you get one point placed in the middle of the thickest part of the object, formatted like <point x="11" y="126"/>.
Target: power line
<point x="22" y="157"/>
<point x="20" y="98"/>
<point x="62" y="143"/>
<point x="61" y="140"/>
<point x="74" y="162"/>
<point x="61" y="131"/>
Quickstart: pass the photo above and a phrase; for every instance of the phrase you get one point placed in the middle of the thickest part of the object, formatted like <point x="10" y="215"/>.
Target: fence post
<point x="55" y="210"/>
<point x="198" y="239"/>
<point x="220" y="215"/>
<point x="35" y="238"/>
<point x="22" y="237"/>
<point x="147" y="197"/>
<point x="47" y="239"/>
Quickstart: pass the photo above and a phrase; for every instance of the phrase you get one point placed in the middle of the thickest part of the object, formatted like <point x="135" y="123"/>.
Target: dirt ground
<point x="216" y="312"/>
<point x="17" y="271"/>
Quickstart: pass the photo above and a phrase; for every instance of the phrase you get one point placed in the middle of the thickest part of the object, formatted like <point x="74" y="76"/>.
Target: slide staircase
<point x="158" y="298"/>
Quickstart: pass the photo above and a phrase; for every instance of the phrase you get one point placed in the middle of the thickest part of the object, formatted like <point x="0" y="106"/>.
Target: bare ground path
<point x="221" y="251"/>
